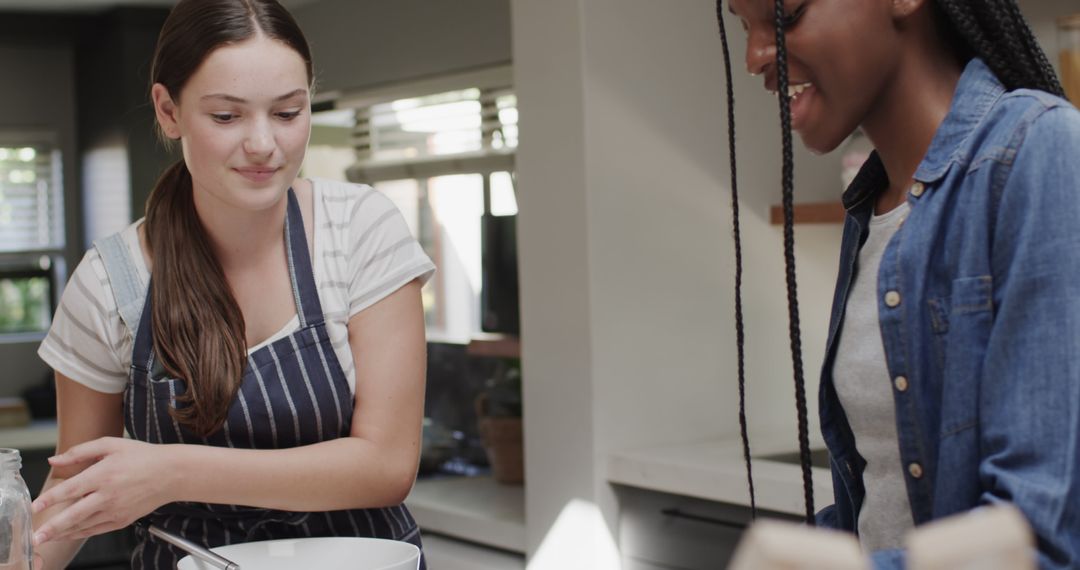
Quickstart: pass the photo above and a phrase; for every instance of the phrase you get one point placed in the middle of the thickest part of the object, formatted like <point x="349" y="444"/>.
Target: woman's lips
<point x="257" y="174"/>
<point x="802" y="97"/>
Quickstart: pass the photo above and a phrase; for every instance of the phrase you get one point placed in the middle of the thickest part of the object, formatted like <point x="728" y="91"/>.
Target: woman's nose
<point x="760" y="50"/>
<point x="260" y="139"/>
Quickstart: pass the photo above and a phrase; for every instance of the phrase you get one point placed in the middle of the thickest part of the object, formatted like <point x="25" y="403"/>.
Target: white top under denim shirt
<point x="862" y="381"/>
<point x="979" y="309"/>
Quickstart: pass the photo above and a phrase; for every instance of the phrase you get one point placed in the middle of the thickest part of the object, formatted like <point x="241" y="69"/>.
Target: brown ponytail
<point x="197" y="325"/>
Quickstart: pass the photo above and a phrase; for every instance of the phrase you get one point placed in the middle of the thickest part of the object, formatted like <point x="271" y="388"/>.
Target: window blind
<point x="31" y="196"/>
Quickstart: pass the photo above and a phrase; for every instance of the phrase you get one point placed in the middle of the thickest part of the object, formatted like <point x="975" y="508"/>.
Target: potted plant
<point x="498" y="409"/>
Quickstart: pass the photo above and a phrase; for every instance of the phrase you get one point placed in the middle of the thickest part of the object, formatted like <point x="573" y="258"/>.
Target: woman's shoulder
<point x="1022" y="112"/>
<point x="345" y="204"/>
<point x="337" y="192"/>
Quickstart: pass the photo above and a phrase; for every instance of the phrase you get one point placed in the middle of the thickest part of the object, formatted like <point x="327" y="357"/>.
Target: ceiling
<point x="97" y="5"/>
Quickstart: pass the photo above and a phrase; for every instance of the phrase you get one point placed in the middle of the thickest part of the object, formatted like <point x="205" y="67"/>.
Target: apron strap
<point x="127" y="287"/>
<point x="305" y="292"/>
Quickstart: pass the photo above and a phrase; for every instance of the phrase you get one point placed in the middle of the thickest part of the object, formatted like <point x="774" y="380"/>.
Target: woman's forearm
<point x="345" y="473"/>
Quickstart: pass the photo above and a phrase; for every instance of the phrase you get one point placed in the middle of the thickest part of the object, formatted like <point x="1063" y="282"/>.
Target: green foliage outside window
<point x="24" y="304"/>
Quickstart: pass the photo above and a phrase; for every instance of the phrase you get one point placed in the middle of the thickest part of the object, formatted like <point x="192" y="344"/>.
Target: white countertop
<point x="472" y="508"/>
<point x="715" y="470"/>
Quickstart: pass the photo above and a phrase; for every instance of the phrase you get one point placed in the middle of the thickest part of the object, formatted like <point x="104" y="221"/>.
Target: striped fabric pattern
<point x="294" y="392"/>
<point x="363" y="251"/>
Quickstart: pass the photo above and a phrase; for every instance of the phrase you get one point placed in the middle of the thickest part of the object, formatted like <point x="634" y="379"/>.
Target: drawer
<point x="665" y="531"/>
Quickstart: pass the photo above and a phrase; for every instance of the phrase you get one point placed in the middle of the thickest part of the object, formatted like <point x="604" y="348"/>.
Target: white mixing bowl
<point x="329" y="553"/>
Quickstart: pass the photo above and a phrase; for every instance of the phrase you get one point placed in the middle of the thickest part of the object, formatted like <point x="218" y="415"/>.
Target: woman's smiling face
<point x="841" y="56"/>
<point x="244" y="122"/>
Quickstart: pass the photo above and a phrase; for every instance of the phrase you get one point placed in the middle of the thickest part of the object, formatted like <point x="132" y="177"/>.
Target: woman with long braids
<point x="952" y="373"/>
<point x="259" y="336"/>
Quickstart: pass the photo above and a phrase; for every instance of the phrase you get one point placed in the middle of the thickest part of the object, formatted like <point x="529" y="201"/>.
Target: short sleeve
<point x="384" y="255"/>
<point x="84" y="340"/>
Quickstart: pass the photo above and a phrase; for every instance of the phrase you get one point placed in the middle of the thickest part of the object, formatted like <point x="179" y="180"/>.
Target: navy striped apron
<point x="293" y="393"/>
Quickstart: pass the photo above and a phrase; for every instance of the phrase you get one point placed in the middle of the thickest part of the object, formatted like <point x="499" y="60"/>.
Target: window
<point x="445" y="158"/>
<point x="31" y="231"/>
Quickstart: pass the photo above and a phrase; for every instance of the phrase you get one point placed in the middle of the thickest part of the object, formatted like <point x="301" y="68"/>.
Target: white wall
<point x="554" y="262"/>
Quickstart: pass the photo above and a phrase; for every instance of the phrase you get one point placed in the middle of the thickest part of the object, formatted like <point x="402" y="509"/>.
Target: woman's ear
<point x="905" y="8"/>
<point x="166" y="111"/>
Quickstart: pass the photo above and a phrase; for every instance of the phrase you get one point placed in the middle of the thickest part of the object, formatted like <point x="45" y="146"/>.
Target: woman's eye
<point x="288" y="115"/>
<point x="223" y="117"/>
<point x="791" y="18"/>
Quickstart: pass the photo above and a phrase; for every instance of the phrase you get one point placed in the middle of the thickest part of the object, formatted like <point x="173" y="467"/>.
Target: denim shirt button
<point x="901" y="383"/>
<point x="850" y="469"/>
<point x="892" y="299"/>
<point x="917" y="189"/>
<point x="915" y="469"/>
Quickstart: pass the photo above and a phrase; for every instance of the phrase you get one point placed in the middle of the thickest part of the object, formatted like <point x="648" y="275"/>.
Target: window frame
<point x="24" y="263"/>
<point x="493" y="83"/>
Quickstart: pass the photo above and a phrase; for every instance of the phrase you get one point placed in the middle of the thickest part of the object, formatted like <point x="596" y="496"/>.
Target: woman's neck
<point x="908" y="112"/>
<point x="241" y="237"/>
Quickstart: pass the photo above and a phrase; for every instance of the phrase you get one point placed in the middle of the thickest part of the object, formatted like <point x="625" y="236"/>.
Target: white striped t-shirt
<point x="363" y="252"/>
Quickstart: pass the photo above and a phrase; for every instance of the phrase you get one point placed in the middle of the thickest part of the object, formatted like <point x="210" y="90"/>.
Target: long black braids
<point x="788" y="187"/>
<point x="793" y="307"/>
<point x="996" y="32"/>
<point x="739" y="334"/>
<point x="789" y="260"/>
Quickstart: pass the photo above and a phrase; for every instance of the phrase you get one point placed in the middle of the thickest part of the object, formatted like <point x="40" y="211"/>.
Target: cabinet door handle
<point x="679" y="513"/>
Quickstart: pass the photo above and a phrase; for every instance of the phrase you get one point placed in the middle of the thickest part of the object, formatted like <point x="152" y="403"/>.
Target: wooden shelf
<point x="810" y="213"/>
<point x="495" y="347"/>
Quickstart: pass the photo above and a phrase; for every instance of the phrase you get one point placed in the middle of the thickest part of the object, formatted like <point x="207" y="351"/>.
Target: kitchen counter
<point x="476" y="509"/>
<point x="715" y="470"/>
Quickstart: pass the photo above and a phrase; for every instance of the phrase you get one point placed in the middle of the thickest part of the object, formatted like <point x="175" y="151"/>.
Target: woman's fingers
<point x="90" y="451"/>
<point x="100" y="523"/>
<point x="72" y="517"/>
<point x="67" y="490"/>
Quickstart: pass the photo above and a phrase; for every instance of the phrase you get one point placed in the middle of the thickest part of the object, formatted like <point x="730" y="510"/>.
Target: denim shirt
<point x="979" y="308"/>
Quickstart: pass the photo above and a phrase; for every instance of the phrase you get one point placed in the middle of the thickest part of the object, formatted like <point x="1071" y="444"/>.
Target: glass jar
<point x="16" y="525"/>
<point x="1069" y="55"/>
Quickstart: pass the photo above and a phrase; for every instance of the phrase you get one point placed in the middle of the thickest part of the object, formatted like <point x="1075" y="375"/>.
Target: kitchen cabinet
<point x="663" y="530"/>
<point x="446" y="553"/>
<point x="686" y="506"/>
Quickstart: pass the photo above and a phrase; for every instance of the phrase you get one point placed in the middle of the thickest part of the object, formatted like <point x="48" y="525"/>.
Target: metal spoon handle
<point x="195" y="550"/>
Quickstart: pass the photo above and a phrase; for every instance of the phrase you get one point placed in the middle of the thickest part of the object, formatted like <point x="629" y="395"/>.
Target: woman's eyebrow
<point x="235" y="99"/>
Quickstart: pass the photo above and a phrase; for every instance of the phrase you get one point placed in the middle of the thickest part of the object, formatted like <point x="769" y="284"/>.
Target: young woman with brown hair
<point x="260" y="337"/>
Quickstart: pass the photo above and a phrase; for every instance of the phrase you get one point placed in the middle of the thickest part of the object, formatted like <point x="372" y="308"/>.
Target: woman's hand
<point x="117" y="481"/>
